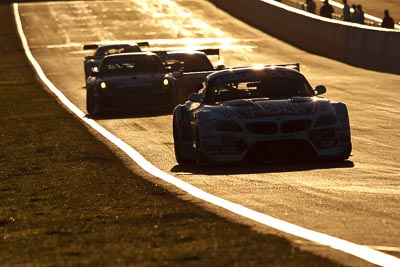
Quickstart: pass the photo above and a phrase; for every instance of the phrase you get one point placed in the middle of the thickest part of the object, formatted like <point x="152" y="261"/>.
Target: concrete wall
<point x="358" y="45"/>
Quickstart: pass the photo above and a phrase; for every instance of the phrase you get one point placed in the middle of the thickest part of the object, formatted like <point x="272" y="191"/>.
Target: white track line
<point x="363" y="252"/>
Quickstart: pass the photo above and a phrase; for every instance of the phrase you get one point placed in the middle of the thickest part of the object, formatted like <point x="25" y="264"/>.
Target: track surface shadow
<point x="132" y="113"/>
<point x="248" y="168"/>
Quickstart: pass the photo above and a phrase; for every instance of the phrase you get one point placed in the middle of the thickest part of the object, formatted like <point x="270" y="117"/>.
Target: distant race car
<point x="102" y="50"/>
<point x="130" y="80"/>
<point x="192" y="68"/>
<point x="260" y="114"/>
<point x="189" y="61"/>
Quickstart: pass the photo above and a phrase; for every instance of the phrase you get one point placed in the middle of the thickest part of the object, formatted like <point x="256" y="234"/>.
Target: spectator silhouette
<point x="326" y="10"/>
<point x="362" y="18"/>
<point x="346" y="11"/>
<point x="310" y="6"/>
<point x="387" y="21"/>
<point x="353" y="14"/>
<point x="358" y="14"/>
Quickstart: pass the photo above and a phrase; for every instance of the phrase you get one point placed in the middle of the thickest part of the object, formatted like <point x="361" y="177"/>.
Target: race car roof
<point x="238" y="70"/>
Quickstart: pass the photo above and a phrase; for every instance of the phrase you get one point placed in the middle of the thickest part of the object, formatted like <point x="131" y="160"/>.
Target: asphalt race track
<point x="356" y="200"/>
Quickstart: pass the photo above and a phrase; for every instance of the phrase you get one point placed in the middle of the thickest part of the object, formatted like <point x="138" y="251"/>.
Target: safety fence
<point x="338" y="15"/>
<point x="359" y="45"/>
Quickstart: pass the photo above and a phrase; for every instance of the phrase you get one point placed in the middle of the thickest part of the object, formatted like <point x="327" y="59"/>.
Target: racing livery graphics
<point x="260" y="115"/>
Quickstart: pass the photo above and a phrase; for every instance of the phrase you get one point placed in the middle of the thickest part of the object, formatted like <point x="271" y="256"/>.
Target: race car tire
<point x="89" y="101"/>
<point x="177" y="134"/>
<point x="93" y="106"/>
<point x="346" y="154"/>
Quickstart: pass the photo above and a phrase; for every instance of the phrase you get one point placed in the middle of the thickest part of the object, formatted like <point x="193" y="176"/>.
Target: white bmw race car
<point x="260" y="114"/>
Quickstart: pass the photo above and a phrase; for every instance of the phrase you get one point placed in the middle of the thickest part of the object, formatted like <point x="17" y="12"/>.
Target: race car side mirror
<point x="220" y="67"/>
<point x="194" y="97"/>
<point x="168" y="69"/>
<point x="177" y="74"/>
<point x="320" y="90"/>
<point x="95" y="74"/>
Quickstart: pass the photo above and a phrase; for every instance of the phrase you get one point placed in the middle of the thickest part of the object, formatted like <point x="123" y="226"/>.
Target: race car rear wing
<point x="208" y="51"/>
<point x="211" y="51"/>
<point x="90" y="46"/>
<point x="95" y="46"/>
<point x="295" y="66"/>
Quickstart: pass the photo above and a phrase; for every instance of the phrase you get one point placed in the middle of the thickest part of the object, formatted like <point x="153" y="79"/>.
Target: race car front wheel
<point x="177" y="133"/>
<point x="93" y="106"/>
<point x="344" y="155"/>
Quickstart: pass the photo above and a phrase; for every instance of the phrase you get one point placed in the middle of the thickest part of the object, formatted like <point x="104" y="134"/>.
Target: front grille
<point x="267" y="128"/>
<point x="326" y="133"/>
<point x="270" y="128"/>
<point x="295" y="126"/>
<point x="280" y="150"/>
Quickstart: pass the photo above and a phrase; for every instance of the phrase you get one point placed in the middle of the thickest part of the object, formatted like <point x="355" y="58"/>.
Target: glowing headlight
<point x="103" y="86"/>
<point x="325" y="120"/>
<point x="226" y="126"/>
<point x="165" y="82"/>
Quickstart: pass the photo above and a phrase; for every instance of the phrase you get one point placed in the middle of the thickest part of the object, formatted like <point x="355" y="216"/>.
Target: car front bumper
<point x="327" y="143"/>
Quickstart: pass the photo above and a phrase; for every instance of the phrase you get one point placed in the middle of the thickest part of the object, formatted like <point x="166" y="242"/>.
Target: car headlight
<point x="103" y="86"/>
<point x="325" y="120"/>
<point x="226" y="126"/>
<point x="165" y="82"/>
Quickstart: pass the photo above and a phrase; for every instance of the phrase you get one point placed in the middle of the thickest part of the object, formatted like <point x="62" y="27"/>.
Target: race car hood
<point x="124" y="81"/>
<point x="258" y="108"/>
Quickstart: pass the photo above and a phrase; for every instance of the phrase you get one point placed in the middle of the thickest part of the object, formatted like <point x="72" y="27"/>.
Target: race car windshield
<point x="269" y="87"/>
<point x="129" y="64"/>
